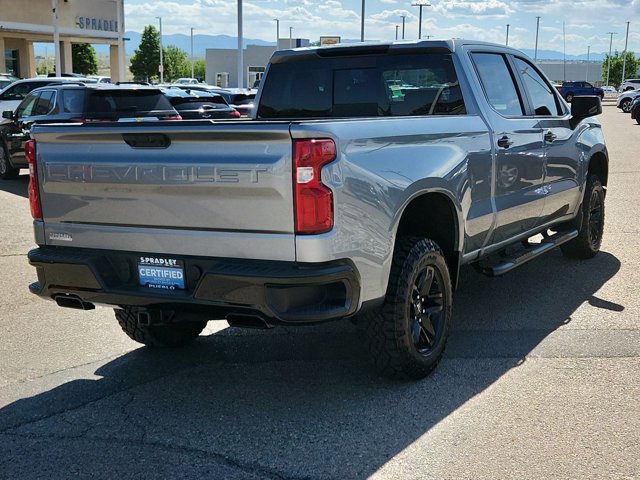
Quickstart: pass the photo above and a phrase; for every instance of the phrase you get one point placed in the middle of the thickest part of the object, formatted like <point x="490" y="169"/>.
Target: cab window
<point x="45" y="103"/>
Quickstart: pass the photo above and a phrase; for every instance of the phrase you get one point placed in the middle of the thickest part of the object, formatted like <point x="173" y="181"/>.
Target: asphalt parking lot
<point x="541" y="378"/>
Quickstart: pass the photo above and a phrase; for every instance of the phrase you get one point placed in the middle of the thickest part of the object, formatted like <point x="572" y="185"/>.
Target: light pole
<point x="588" y="56"/>
<point x="403" y="19"/>
<point x="420" y="4"/>
<point x="535" y="56"/>
<point x="362" y="23"/>
<point x="507" y="40"/>
<point x="192" y="62"/>
<point x="611" y="34"/>
<point x="240" y="41"/>
<point x="624" y="55"/>
<point x="290" y="37"/>
<point x="56" y="36"/>
<point x="397" y="27"/>
<point x="161" y="67"/>
<point x="277" y="20"/>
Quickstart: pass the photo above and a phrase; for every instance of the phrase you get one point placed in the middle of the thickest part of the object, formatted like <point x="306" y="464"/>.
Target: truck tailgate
<point x="198" y="189"/>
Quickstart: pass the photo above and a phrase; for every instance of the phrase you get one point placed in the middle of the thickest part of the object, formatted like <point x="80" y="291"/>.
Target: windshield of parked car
<point x="358" y="86"/>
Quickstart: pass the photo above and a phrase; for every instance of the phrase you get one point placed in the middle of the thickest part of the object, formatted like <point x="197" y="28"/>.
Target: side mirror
<point x="8" y="114"/>
<point x="585" y="106"/>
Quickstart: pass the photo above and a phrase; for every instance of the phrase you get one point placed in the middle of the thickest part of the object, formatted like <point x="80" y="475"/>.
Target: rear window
<point x="362" y="86"/>
<point x="139" y="103"/>
<point x="186" y="104"/>
<point x="242" y="99"/>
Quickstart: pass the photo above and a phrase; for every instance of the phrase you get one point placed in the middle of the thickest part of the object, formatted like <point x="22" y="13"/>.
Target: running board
<point x="507" y="264"/>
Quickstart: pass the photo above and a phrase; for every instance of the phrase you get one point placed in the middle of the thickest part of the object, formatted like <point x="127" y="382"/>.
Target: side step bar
<point x="507" y="264"/>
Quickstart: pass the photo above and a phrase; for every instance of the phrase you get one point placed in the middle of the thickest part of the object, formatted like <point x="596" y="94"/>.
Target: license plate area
<point x="161" y="273"/>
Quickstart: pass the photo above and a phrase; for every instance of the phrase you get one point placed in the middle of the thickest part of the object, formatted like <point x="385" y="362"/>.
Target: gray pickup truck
<point x="365" y="178"/>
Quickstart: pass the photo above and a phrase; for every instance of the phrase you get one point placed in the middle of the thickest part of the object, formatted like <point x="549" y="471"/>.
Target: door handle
<point x="550" y="136"/>
<point x="505" y="142"/>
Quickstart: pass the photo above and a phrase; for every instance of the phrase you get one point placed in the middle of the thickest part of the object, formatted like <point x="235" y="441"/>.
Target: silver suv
<point x="630" y="84"/>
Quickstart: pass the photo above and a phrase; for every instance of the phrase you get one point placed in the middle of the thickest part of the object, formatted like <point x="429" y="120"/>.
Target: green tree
<point x="200" y="70"/>
<point x="146" y="58"/>
<point x="41" y="68"/>
<point x="84" y="59"/>
<point x="615" y="74"/>
<point x="176" y="63"/>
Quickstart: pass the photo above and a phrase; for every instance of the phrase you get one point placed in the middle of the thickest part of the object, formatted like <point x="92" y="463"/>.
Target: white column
<point x="56" y="36"/>
<point x="66" y="57"/>
<point x="114" y="63"/>
<point x="3" y="60"/>
<point x="240" y="52"/>
<point x="121" y="50"/>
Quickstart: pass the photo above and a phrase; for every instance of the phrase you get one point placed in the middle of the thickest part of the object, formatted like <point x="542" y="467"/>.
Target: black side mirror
<point x="8" y="114"/>
<point x="583" y="107"/>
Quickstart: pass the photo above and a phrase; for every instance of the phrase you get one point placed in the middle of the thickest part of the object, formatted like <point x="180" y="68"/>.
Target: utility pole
<point x="507" y="41"/>
<point x="611" y="34"/>
<point x="161" y="67"/>
<point x="290" y="37"/>
<point x="277" y="20"/>
<point x="588" y="55"/>
<point x="192" y="62"/>
<point x="362" y="23"/>
<point x="56" y="36"/>
<point x="420" y="4"/>
<point x="240" y="52"/>
<point x="624" y="54"/>
<point x="535" y="56"/>
<point x="403" y="19"/>
<point x="564" y="54"/>
<point x="397" y="27"/>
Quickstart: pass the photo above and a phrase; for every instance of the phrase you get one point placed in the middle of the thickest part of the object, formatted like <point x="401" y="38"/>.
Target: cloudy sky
<point x="587" y="21"/>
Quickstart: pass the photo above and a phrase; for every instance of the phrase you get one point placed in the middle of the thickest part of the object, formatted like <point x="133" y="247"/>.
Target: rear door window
<point x="498" y="84"/>
<point x="46" y="103"/>
<point x="362" y="86"/>
<point x="25" y="109"/>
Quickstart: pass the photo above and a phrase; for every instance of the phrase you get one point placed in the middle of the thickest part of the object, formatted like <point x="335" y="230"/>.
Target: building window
<point x="11" y="63"/>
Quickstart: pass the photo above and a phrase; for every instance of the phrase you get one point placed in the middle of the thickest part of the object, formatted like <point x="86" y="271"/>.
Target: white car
<point x="630" y="84"/>
<point x="609" y="89"/>
<point x="187" y="81"/>
<point x="625" y="100"/>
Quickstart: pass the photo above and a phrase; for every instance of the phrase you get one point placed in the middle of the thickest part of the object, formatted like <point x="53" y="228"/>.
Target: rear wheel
<point x="177" y="334"/>
<point x="7" y="171"/>
<point x="569" y="97"/>
<point x="626" y="105"/>
<point x="587" y="243"/>
<point x="406" y="337"/>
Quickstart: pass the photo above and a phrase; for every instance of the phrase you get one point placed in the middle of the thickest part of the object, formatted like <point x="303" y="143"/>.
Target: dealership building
<point x="63" y="23"/>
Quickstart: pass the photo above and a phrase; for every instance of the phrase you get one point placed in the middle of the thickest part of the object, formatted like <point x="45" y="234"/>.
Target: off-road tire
<point x="387" y="331"/>
<point x="587" y="243"/>
<point x="7" y="171"/>
<point x="171" y="335"/>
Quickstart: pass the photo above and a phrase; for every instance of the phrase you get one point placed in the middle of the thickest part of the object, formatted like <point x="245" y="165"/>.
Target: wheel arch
<point x="434" y="214"/>
<point x="599" y="165"/>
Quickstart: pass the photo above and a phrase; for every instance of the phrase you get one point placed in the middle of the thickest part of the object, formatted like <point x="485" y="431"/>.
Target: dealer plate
<point x="161" y="273"/>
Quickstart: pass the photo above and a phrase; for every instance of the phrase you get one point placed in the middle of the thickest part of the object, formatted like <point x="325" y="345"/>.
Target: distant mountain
<point x="202" y="42"/>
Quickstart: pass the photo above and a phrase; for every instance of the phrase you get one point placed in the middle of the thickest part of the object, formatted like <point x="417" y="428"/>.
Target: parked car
<point x="193" y="104"/>
<point x="630" y="84"/>
<point x="100" y="79"/>
<point x="241" y="99"/>
<point x="609" y="89"/>
<point x="187" y="81"/>
<point x="12" y="95"/>
<point x="75" y="103"/>
<point x="574" y="89"/>
<point x="6" y="79"/>
<point x="635" y="109"/>
<point x="201" y="87"/>
<point x="626" y="99"/>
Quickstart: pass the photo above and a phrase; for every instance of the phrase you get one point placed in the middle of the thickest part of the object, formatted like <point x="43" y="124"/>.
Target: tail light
<point x="34" y="192"/>
<point x="313" y="200"/>
<point x="235" y="114"/>
<point x="171" y="117"/>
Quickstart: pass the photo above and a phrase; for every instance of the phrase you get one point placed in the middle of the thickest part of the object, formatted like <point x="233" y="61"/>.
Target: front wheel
<point x="7" y="171"/>
<point x="406" y="337"/>
<point x="175" y="334"/>
<point x="587" y="243"/>
<point x="626" y="105"/>
<point x="569" y="97"/>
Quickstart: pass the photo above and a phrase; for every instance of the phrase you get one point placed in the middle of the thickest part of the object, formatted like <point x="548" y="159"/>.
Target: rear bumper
<point x="281" y="292"/>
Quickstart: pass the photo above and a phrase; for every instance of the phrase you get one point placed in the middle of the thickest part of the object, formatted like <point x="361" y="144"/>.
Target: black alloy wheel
<point x="426" y="304"/>
<point x="587" y="243"/>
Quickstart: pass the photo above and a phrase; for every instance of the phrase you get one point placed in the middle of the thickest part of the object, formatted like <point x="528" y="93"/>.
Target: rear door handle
<point x="505" y="142"/>
<point x="550" y="136"/>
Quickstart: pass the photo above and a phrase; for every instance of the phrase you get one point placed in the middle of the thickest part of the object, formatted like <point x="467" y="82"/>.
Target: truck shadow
<point x="294" y="403"/>
<point x="18" y="186"/>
